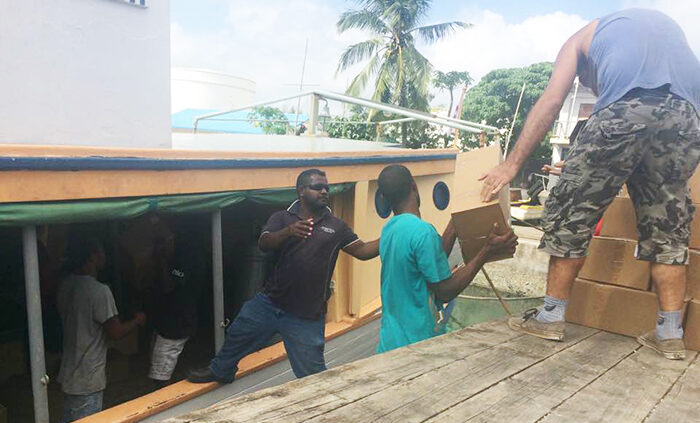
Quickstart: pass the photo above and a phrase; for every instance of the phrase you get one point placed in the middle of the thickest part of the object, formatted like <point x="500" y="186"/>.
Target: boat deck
<point x="485" y="373"/>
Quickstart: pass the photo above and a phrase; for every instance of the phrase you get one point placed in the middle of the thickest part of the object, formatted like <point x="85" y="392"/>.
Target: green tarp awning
<point x="39" y="213"/>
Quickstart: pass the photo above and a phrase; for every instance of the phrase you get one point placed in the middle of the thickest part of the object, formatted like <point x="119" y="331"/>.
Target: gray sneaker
<point x="673" y="349"/>
<point x="529" y="325"/>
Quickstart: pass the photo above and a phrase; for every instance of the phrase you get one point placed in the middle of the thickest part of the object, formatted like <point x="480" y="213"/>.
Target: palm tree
<point x="400" y="72"/>
<point x="449" y="81"/>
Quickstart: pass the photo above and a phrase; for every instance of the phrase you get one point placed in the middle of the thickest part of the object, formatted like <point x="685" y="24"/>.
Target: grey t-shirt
<point x="84" y="304"/>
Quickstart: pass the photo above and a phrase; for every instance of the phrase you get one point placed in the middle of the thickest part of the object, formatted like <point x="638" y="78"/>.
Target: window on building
<point x="585" y="111"/>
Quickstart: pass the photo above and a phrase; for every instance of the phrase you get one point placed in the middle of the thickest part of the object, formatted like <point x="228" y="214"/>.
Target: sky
<point x="264" y="40"/>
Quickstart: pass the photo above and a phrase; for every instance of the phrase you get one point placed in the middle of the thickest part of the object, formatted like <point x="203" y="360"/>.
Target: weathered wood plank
<point x="626" y="393"/>
<point x="682" y="402"/>
<point x="417" y="399"/>
<point x="304" y="398"/>
<point x="532" y="393"/>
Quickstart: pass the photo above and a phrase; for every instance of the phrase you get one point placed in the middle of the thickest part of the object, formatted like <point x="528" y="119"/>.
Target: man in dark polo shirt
<point x="306" y="239"/>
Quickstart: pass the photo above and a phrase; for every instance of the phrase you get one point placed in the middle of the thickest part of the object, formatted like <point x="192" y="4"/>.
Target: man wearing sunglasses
<point x="306" y="239"/>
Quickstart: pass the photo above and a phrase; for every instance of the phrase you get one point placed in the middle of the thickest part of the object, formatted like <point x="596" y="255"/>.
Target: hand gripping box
<point x="473" y="219"/>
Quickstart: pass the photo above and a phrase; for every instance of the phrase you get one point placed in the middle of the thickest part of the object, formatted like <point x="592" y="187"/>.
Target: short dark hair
<point x="395" y="182"/>
<point x="79" y="250"/>
<point x="304" y="177"/>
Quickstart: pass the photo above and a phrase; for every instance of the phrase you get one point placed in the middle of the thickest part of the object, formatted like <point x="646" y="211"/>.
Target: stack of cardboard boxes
<point x="614" y="291"/>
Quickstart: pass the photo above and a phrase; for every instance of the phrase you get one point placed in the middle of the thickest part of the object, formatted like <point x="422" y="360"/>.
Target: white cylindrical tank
<point x="206" y="89"/>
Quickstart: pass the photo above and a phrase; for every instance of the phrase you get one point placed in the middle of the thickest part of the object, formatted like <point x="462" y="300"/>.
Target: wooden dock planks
<point x="482" y="374"/>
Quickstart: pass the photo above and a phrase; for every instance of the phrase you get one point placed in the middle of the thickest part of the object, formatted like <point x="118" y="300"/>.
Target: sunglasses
<point x="320" y="187"/>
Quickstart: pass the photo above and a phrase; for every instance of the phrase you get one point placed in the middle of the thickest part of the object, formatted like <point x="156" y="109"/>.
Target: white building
<point x="207" y="89"/>
<point x="85" y="72"/>
<point x="577" y="106"/>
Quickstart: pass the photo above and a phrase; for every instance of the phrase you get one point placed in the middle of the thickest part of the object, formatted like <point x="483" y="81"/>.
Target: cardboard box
<point x="694" y="185"/>
<point x="474" y="219"/>
<point x="620" y="220"/>
<point x="692" y="287"/>
<point x="692" y="326"/>
<point x="611" y="308"/>
<point x="612" y="261"/>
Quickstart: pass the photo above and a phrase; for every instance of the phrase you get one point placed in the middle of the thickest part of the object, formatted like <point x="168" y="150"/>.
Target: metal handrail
<point x="402" y="111"/>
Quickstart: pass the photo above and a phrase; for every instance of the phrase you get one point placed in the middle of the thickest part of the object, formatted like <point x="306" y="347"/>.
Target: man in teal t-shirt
<point x="415" y="272"/>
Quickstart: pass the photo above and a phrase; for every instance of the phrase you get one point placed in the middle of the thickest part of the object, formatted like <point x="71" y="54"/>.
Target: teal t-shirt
<point x="412" y="257"/>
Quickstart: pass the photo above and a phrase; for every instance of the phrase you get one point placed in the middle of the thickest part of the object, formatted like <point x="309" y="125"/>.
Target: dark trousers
<point x="257" y="322"/>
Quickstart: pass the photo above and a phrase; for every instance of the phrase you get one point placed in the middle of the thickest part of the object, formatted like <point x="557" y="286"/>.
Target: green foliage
<point x="399" y="72"/>
<point x="271" y="119"/>
<point x="495" y="98"/>
<point x="354" y="127"/>
<point x="449" y="81"/>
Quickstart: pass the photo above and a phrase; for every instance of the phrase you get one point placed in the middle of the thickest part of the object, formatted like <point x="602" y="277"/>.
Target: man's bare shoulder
<point x="583" y="38"/>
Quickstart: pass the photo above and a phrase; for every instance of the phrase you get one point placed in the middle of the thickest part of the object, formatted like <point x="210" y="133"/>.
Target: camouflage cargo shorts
<point x="649" y="139"/>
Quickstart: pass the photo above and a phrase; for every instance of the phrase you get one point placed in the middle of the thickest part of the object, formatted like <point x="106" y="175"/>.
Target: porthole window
<point x="441" y="195"/>
<point x="381" y="205"/>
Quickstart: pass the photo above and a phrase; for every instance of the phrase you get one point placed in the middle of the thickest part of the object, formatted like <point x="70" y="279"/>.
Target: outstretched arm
<point x="363" y="250"/>
<point x="542" y="115"/>
<point x="448" y="289"/>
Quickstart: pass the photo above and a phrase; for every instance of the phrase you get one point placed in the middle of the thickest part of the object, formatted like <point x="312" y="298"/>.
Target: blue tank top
<point x="640" y="48"/>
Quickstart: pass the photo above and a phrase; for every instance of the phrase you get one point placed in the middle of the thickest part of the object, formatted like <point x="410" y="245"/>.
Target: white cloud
<point x="492" y="43"/>
<point x="264" y="41"/>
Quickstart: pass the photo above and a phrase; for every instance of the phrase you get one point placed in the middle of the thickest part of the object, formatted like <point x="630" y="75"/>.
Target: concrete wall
<point x="205" y="89"/>
<point x="85" y="72"/>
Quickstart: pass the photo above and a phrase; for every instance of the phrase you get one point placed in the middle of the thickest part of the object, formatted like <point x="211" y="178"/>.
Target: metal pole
<point x="313" y="115"/>
<point x="301" y="85"/>
<point x="217" y="257"/>
<point x="36" y="331"/>
<point x="402" y="111"/>
<point x="439" y="120"/>
<point x="512" y="124"/>
<point x="571" y="110"/>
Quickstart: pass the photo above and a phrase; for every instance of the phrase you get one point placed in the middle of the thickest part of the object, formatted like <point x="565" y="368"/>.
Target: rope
<point x="539" y="228"/>
<point x="495" y="291"/>
<point x="472" y="297"/>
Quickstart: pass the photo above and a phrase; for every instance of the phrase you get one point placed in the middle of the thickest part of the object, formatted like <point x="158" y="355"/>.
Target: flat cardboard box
<point x="612" y="261"/>
<point x="692" y="326"/>
<point x="620" y="220"/>
<point x="474" y="219"/>
<point x="611" y="308"/>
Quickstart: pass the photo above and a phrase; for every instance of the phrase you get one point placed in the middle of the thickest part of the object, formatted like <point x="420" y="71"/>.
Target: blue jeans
<point x="257" y="322"/>
<point x="75" y="407"/>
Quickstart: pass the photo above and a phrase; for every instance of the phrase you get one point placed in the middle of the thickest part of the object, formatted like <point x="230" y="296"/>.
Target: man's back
<point x="412" y="256"/>
<point x="640" y="48"/>
<point x="85" y="305"/>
